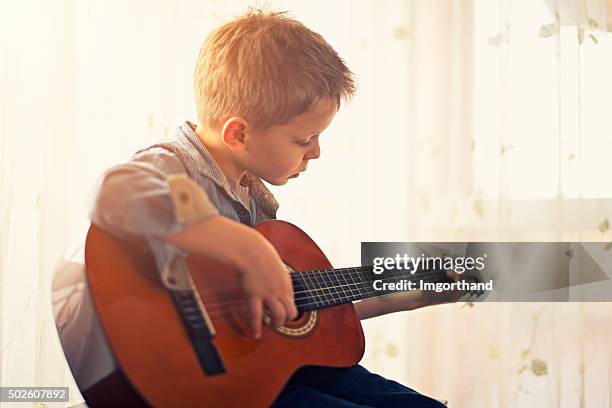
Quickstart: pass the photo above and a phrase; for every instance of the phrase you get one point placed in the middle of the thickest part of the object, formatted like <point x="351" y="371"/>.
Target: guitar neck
<point x="319" y="289"/>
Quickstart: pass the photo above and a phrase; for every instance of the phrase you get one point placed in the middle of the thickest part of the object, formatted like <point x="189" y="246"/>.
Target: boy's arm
<point x="410" y="300"/>
<point x="137" y="199"/>
<point x="391" y="303"/>
<point x="407" y="300"/>
<point x="265" y="281"/>
<point x="152" y="197"/>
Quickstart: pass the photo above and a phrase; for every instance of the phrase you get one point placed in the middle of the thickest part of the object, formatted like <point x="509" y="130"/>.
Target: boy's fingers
<point x="289" y="302"/>
<point x="292" y="312"/>
<point x="454" y="275"/>
<point x="277" y="312"/>
<point x="255" y="315"/>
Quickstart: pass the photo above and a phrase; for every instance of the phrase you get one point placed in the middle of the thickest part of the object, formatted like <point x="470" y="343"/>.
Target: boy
<point x="266" y="87"/>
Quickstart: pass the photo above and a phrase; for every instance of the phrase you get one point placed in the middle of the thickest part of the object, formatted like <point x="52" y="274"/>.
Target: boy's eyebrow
<point x="310" y="134"/>
<point x="298" y="134"/>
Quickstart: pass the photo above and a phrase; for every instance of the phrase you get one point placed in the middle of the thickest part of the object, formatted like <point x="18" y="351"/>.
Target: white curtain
<point x="511" y="138"/>
<point x="474" y="120"/>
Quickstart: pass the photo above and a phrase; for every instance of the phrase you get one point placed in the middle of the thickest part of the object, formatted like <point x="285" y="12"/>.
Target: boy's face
<point x="281" y="152"/>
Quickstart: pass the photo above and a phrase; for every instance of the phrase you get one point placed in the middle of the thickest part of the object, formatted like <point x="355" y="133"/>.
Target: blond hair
<point x="267" y="68"/>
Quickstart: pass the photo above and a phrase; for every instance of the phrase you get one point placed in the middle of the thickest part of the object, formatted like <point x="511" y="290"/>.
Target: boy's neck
<point x="221" y="155"/>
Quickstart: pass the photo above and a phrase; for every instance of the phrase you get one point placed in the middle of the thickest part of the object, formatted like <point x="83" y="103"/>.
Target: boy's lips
<point x="297" y="174"/>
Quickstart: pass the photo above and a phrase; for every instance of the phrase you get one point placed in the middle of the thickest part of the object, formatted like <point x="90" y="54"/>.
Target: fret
<point x="362" y="285"/>
<point x="356" y="283"/>
<point x="348" y="284"/>
<point x="323" y="292"/>
<point x="347" y="277"/>
<point x="329" y="289"/>
<point x="312" y="291"/>
<point x="300" y="290"/>
<point x="336" y="288"/>
<point x="351" y="279"/>
<point x="317" y="290"/>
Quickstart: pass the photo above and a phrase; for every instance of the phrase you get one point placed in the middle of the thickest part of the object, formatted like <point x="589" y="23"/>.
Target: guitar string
<point x="315" y="281"/>
<point x="324" y="293"/>
<point x="241" y="305"/>
<point x="325" y="299"/>
<point x="352" y="272"/>
<point x="316" y="278"/>
<point x="317" y="275"/>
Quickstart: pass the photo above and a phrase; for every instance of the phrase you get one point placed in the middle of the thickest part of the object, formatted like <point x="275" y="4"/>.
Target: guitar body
<point x="151" y="344"/>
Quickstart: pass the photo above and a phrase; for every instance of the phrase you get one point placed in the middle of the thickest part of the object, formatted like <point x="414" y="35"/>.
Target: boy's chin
<point x="278" y="181"/>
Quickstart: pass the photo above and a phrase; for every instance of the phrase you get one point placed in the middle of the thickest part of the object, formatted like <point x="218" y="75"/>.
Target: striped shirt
<point x="159" y="191"/>
<point x="170" y="185"/>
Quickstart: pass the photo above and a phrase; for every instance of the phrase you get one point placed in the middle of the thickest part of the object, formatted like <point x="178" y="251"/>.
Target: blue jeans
<point x="353" y="387"/>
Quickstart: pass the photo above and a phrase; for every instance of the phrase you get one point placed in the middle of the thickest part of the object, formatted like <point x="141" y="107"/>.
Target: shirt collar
<point x="209" y="167"/>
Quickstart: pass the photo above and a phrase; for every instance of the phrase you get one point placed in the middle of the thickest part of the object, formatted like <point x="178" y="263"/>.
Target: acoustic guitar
<point x="193" y="348"/>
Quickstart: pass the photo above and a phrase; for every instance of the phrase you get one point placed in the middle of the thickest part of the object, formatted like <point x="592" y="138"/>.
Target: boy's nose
<point x="314" y="153"/>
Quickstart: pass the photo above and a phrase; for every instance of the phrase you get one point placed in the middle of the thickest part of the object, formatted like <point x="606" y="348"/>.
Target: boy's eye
<point x="305" y="142"/>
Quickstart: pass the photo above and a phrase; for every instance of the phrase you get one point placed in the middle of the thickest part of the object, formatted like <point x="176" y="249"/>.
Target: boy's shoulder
<point x="178" y="147"/>
<point x="185" y="153"/>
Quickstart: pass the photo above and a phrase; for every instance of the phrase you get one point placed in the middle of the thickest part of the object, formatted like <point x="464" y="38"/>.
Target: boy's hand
<point x="267" y="284"/>
<point x="265" y="280"/>
<point x="408" y="300"/>
<point x="430" y="298"/>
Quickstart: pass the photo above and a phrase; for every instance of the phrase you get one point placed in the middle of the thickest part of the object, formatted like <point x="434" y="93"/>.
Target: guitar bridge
<point x="200" y="329"/>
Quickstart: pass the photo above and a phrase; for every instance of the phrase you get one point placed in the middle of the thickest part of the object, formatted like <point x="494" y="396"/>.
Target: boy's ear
<point x="233" y="133"/>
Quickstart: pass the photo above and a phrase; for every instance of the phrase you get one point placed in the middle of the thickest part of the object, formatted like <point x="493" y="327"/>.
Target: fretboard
<point x="318" y="289"/>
